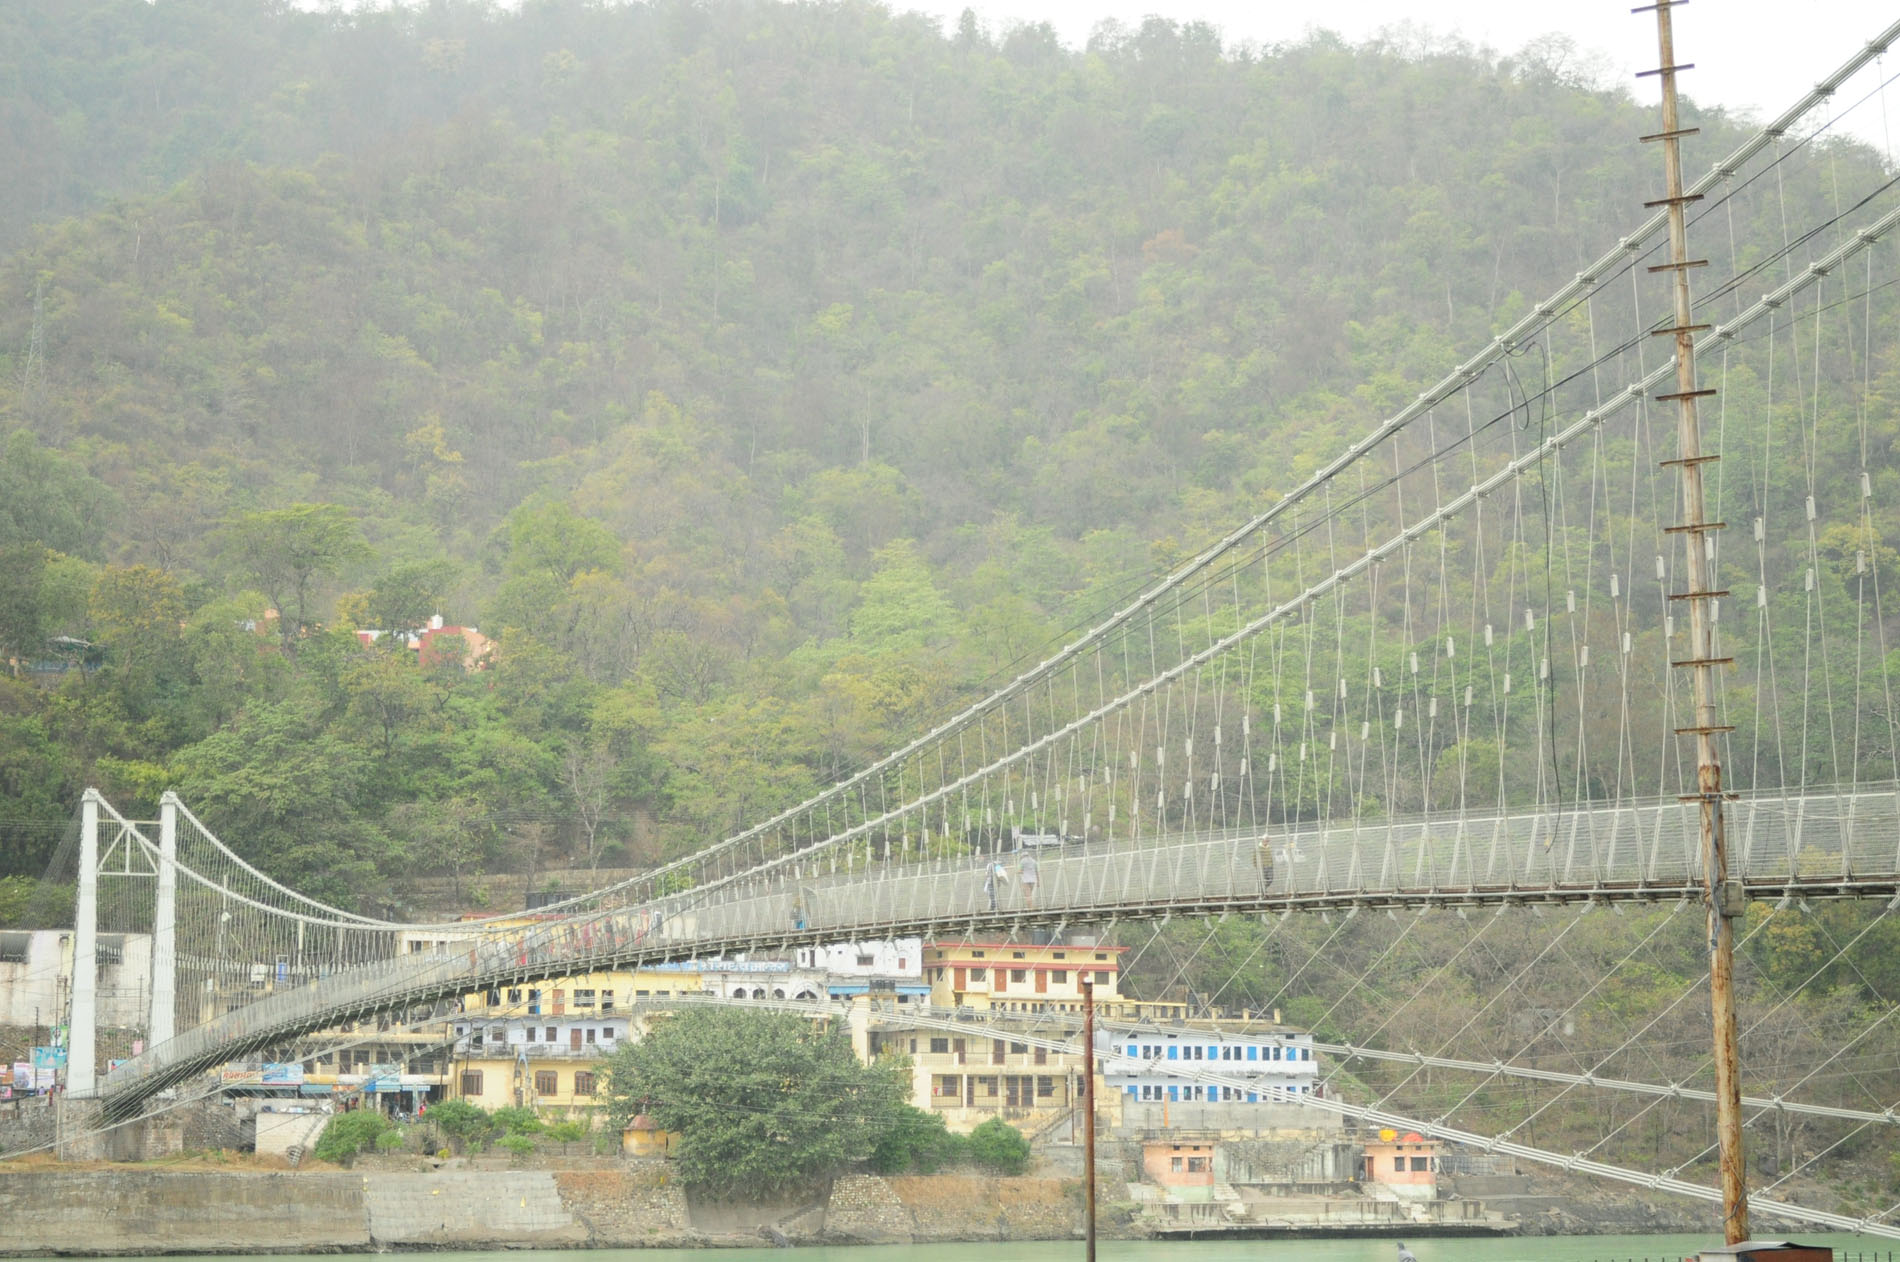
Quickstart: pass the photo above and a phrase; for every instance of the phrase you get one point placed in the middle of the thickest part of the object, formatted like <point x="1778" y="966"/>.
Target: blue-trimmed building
<point x="1145" y="1064"/>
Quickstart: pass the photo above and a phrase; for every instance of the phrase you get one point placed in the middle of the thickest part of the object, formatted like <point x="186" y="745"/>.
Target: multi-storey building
<point x="970" y="1078"/>
<point x="1019" y="977"/>
<point x="1261" y="1067"/>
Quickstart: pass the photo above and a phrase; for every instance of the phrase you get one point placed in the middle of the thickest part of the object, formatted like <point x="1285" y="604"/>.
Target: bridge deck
<point x="1815" y="845"/>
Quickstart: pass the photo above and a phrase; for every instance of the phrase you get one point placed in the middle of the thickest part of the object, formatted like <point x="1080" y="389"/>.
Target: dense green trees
<point x="764" y="1102"/>
<point x="764" y="379"/>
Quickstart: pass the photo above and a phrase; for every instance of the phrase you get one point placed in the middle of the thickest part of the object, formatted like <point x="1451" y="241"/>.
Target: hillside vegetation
<point x="763" y="379"/>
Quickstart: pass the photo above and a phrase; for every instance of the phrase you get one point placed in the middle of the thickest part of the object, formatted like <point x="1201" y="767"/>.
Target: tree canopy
<point x="761" y="1101"/>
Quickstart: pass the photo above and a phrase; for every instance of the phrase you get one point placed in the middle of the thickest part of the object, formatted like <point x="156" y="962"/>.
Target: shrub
<point x="390" y="1141"/>
<point x="518" y="1145"/>
<point x="348" y="1134"/>
<point x="1000" y="1147"/>
<point x="917" y="1141"/>
<point x="515" y="1119"/>
<point x="462" y="1122"/>
<point x="566" y="1132"/>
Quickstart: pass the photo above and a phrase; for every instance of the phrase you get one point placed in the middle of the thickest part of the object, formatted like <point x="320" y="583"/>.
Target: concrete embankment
<point x="121" y="1211"/>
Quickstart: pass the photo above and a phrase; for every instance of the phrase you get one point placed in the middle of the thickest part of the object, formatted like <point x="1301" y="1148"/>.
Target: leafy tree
<point x="917" y="1141"/>
<point x="286" y="550"/>
<point x="49" y="499"/>
<point x="517" y="1119"/>
<point x="761" y="1101"/>
<point x="348" y="1134"/>
<point x="998" y="1146"/>
<point x="465" y="1124"/>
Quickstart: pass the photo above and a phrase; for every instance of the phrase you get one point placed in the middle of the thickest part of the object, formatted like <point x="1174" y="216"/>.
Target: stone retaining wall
<point x="125" y="1210"/>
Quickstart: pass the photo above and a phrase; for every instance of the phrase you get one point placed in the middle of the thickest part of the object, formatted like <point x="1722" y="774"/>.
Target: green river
<point x="1518" y="1249"/>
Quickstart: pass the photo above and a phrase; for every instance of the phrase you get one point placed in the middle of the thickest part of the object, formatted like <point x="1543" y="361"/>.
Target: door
<point x="574" y="1038"/>
<point x="958" y="979"/>
<point x="1042" y="981"/>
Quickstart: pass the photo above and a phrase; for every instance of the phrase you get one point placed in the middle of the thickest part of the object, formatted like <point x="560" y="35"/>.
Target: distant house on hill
<point x="437" y="642"/>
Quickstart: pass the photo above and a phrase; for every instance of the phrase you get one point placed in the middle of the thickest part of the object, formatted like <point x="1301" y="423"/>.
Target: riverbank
<point x="128" y="1211"/>
<point x="104" y="1209"/>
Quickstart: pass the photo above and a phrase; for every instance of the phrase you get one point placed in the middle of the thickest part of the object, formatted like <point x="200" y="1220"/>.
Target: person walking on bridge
<point x="1028" y="873"/>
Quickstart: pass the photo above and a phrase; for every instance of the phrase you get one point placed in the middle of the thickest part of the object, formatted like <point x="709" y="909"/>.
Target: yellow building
<point x="1023" y="978"/>
<point x="541" y="1046"/>
<point x="970" y="1078"/>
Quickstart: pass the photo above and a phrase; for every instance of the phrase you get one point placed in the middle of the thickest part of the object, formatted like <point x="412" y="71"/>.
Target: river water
<point x="1514" y="1249"/>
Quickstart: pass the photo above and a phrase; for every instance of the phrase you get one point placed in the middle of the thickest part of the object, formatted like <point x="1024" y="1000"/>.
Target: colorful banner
<point x="287" y="1074"/>
<point x="22" y="1076"/>
<point x="48" y="1059"/>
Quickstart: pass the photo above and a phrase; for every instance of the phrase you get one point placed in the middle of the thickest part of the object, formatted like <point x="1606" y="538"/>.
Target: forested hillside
<point x="761" y="378"/>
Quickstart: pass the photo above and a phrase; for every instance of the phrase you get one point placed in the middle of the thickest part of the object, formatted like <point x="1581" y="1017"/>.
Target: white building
<point x="1145" y="1064"/>
<point x="36" y="977"/>
<point x="892" y="967"/>
<point x="886" y="957"/>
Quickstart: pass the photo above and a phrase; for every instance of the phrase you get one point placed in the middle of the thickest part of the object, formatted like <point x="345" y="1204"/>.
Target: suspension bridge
<point x="1445" y="669"/>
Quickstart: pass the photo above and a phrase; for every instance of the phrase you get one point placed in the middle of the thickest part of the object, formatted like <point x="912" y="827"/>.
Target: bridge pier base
<point x="79" y="1129"/>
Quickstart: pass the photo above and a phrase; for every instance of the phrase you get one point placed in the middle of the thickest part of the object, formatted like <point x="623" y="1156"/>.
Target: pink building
<point x="1408" y="1162"/>
<point x="1178" y="1165"/>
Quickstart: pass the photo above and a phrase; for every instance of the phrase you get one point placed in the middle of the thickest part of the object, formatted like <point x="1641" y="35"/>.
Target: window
<point x="1101" y="955"/>
<point x="1019" y="974"/>
<point x="913" y="1047"/>
<point x="514" y="995"/>
<point x="977" y="955"/>
<point x="546" y="1082"/>
<point x="606" y="1001"/>
<point x="948" y="1084"/>
<point x="1045" y="1086"/>
<point x="583" y="1082"/>
<point x="1197" y="1165"/>
<point x="1306" y="1053"/>
<point x="1101" y="977"/>
<point x="1253" y="1053"/>
<point x="902" y="963"/>
<point x="1061" y="955"/>
<point x="988" y="1085"/>
<point x="1019" y="1048"/>
<point x="590" y="1034"/>
<point x="979" y="974"/>
<point x="1042" y="1056"/>
<point x="583" y="999"/>
<point x="1018" y="955"/>
<point x="550" y="1037"/>
<point x="1174" y="1164"/>
<point x="1420" y="1163"/>
<point x="939" y="1047"/>
<point x="1398" y="1163"/>
<point x="1061" y="977"/>
<point x="867" y="961"/>
<point x="497" y="1034"/>
<point x="638" y="994"/>
<point x="471" y="1082"/>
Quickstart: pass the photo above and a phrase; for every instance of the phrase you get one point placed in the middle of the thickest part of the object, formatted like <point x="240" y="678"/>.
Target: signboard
<point x="46" y="1060"/>
<point x="383" y="1078"/>
<point x="22" y="1076"/>
<point x="289" y="1074"/>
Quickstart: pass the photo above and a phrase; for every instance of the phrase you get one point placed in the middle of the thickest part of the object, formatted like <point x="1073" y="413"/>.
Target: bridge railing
<point x="1647" y="848"/>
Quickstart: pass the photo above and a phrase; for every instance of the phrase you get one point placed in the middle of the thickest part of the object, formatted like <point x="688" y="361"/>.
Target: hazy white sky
<point x="1758" y="55"/>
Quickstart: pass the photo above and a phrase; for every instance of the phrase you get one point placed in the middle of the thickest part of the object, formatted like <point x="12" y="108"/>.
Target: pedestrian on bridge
<point x="1028" y="873"/>
<point x="994" y="875"/>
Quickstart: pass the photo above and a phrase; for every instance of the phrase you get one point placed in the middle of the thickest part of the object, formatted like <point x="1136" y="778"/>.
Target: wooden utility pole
<point x="1088" y="1119"/>
<point x="1725" y="899"/>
